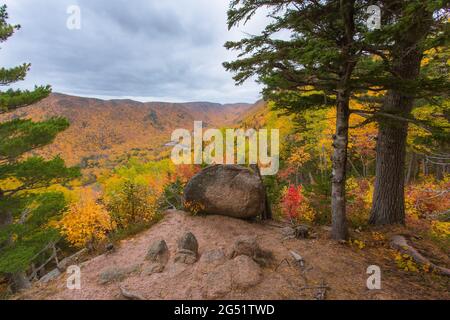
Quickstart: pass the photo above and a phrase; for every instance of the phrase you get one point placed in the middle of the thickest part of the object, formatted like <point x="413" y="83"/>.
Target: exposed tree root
<point x="401" y="244"/>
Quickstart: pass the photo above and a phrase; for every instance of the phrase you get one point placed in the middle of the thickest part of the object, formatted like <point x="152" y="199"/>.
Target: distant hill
<point x="103" y="129"/>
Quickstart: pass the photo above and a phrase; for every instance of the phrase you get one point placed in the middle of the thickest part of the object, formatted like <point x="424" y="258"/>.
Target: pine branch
<point x="14" y="99"/>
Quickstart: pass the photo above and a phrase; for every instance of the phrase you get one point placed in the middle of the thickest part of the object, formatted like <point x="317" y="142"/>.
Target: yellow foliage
<point x="406" y="262"/>
<point x="132" y="193"/>
<point x="360" y="244"/>
<point x="360" y="194"/>
<point x="85" y="222"/>
<point x="299" y="156"/>
<point x="377" y="236"/>
<point x="132" y="203"/>
<point x="306" y="212"/>
<point x="441" y="229"/>
<point x="193" y="207"/>
<point x="69" y="195"/>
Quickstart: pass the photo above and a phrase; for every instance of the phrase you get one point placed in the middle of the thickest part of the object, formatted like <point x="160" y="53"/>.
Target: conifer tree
<point x="331" y="55"/>
<point x="313" y="67"/>
<point x="13" y="99"/>
<point x="411" y="28"/>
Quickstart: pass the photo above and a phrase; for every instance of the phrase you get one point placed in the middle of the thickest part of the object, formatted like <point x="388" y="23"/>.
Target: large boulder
<point x="229" y="190"/>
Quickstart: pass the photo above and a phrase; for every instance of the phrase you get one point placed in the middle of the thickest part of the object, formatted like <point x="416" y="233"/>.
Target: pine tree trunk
<point x="388" y="205"/>
<point x="339" y="230"/>
<point x="338" y="202"/>
<point x="389" y="200"/>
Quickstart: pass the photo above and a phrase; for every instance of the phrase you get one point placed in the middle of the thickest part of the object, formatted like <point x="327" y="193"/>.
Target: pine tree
<point x="411" y="29"/>
<point x="25" y="209"/>
<point x="332" y="56"/>
<point x="13" y="99"/>
<point x="313" y="68"/>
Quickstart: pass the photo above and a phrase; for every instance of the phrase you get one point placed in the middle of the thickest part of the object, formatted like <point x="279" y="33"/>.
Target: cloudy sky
<point x="148" y="50"/>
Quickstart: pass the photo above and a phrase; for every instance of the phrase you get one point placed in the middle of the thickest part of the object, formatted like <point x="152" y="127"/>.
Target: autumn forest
<point x="364" y="177"/>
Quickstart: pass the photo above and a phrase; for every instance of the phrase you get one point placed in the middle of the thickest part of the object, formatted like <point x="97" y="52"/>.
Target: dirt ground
<point x="331" y="270"/>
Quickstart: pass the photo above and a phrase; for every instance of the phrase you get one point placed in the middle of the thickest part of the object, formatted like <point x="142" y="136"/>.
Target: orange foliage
<point x="185" y="172"/>
<point x="427" y="198"/>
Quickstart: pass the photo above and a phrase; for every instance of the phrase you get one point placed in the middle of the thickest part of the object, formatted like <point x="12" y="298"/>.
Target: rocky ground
<point x="218" y="257"/>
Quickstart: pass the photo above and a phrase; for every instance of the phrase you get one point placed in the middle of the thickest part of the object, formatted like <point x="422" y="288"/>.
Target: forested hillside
<point x="111" y="129"/>
<point x="364" y="179"/>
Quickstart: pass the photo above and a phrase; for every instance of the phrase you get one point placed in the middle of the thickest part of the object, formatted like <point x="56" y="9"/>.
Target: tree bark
<point x="338" y="201"/>
<point x="388" y="200"/>
<point x="339" y="229"/>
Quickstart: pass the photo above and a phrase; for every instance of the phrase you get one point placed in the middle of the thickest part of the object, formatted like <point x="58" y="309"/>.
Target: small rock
<point x="245" y="272"/>
<point x="185" y="256"/>
<point x="73" y="259"/>
<point x="298" y="232"/>
<point x="247" y="246"/>
<point x="153" y="268"/>
<point x="211" y="259"/>
<point x="52" y="275"/>
<point x="288" y="232"/>
<point x="301" y="232"/>
<point x="158" y="252"/>
<point x="298" y="259"/>
<point x="116" y="274"/>
<point x="188" y="242"/>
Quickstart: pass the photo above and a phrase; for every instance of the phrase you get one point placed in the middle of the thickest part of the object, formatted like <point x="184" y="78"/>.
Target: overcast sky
<point x="148" y="50"/>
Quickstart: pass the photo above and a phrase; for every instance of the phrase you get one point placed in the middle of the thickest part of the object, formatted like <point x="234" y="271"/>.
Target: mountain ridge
<point x="109" y="129"/>
<point x="128" y="100"/>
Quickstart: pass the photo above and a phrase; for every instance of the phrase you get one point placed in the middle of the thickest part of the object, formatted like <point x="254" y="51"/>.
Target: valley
<point x="104" y="133"/>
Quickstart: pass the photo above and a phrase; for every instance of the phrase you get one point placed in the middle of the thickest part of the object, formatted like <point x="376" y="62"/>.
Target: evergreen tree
<point x="331" y="56"/>
<point x="314" y="67"/>
<point x="26" y="210"/>
<point x="13" y="99"/>
<point x="411" y="28"/>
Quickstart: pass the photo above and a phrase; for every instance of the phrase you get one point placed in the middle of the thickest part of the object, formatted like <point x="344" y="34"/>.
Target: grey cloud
<point x="150" y="49"/>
